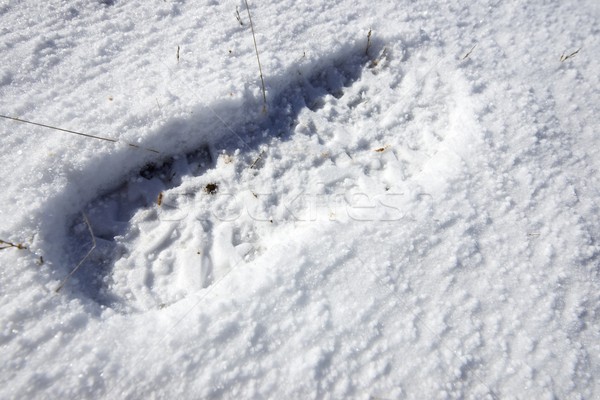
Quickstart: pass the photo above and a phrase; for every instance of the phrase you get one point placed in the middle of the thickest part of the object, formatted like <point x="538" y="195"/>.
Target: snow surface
<point x="415" y="215"/>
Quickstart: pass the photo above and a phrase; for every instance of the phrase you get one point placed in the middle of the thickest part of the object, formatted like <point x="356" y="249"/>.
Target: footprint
<point x="182" y="223"/>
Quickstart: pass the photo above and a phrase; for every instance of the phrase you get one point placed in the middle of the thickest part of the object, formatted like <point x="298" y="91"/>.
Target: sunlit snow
<point x="414" y="214"/>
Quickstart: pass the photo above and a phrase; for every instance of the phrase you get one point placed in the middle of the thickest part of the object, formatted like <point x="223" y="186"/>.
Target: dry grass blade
<point x="87" y="222"/>
<point x="262" y="80"/>
<point x="469" y="52"/>
<point x="564" y="57"/>
<point x="77" y="133"/>
<point x="7" y="245"/>
<point x="260" y="156"/>
<point x="238" y="17"/>
<point x="368" y="42"/>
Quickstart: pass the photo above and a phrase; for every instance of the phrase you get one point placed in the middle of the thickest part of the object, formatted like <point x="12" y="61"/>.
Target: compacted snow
<point x="414" y="215"/>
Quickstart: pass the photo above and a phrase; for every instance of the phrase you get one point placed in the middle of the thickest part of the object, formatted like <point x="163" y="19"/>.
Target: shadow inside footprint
<point x="132" y="208"/>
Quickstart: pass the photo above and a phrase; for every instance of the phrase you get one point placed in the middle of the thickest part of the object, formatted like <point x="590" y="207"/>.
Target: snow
<point x="415" y="215"/>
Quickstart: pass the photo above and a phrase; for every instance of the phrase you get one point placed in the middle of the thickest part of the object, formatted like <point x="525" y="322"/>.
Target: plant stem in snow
<point x="77" y="133"/>
<point x="262" y="80"/>
<point x="87" y="222"/>
<point x="7" y="245"/>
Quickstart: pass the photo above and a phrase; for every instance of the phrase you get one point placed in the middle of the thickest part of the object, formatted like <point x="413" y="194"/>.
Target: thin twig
<point x="264" y="91"/>
<point x="7" y="245"/>
<point x="87" y="222"/>
<point x="469" y="52"/>
<point x="78" y="133"/>
<point x="257" y="159"/>
<point x="368" y="42"/>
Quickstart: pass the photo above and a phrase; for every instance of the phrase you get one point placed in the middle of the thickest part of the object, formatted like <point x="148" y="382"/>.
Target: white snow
<point x="415" y="215"/>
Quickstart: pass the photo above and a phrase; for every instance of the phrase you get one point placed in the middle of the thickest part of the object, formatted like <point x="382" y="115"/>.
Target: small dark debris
<point x="211" y="188"/>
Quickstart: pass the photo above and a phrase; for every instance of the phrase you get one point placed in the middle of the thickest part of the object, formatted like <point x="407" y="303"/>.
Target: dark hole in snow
<point x="211" y="188"/>
<point x="152" y="170"/>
